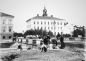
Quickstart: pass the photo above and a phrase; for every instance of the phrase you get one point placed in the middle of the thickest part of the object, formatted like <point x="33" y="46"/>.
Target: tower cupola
<point x="44" y="12"/>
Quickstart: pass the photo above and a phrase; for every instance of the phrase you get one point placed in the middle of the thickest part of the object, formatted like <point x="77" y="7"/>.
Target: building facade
<point x="6" y="26"/>
<point x="68" y="29"/>
<point x="45" y="22"/>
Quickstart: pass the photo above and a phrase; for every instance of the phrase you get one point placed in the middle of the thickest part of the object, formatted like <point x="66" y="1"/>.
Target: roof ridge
<point x="5" y="14"/>
<point x="44" y="17"/>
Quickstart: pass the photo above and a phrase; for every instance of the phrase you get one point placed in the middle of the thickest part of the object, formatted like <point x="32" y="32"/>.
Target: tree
<point x="83" y="32"/>
<point x="39" y="32"/>
<point x="79" y="32"/>
<point x="15" y="34"/>
<point x="75" y="33"/>
<point x="50" y="33"/>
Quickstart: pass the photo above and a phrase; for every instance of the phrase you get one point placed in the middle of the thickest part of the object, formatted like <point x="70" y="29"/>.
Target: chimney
<point x="51" y="15"/>
<point x="37" y="14"/>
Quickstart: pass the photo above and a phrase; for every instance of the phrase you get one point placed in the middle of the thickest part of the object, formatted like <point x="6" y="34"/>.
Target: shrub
<point x="10" y="57"/>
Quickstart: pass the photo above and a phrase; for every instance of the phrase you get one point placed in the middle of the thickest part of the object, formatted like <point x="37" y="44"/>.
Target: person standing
<point x="20" y="47"/>
<point x="62" y="41"/>
<point x="43" y="48"/>
<point x="58" y="36"/>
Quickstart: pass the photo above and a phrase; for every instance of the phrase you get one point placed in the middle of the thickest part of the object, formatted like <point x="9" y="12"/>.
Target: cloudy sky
<point x="74" y="11"/>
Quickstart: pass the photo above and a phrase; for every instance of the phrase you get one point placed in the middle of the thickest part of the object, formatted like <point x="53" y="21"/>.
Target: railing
<point x="75" y="38"/>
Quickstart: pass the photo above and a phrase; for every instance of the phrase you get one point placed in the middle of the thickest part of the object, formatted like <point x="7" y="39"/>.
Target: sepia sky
<point x="73" y="11"/>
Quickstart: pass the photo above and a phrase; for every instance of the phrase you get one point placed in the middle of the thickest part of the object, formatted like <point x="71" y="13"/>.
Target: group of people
<point x="46" y="42"/>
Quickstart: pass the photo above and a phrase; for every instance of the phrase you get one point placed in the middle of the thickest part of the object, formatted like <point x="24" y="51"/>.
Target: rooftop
<point x="4" y="14"/>
<point x="45" y="17"/>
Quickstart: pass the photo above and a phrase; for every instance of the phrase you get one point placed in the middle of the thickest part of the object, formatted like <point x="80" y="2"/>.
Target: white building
<point x="68" y="29"/>
<point x="48" y="23"/>
<point x="6" y="26"/>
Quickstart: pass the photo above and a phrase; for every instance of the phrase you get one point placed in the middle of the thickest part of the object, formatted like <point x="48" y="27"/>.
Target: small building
<point x="6" y="26"/>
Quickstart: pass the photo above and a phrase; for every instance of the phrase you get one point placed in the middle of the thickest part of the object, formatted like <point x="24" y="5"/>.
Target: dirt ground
<point x="67" y="54"/>
<point x="50" y="55"/>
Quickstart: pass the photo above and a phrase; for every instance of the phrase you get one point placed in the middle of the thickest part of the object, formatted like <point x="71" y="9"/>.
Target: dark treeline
<point x="33" y="32"/>
<point x="38" y="32"/>
<point x="79" y="32"/>
<point x="15" y="34"/>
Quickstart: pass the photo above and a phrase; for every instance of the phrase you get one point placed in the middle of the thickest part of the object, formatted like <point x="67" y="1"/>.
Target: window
<point x="37" y="22"/>
<point x="58" y="27"/>
<point x="3" y="37"/>
<point x="61" y="23"/>
<point x="51" y="23"/>
<point x="45" y="28"/>
<point x="4" y="21"/>
<point x="48" y="27"/>
<point x="41" y="28"/>
<point x="34" y="22"/>
<point x="45" y="23"/>
<point x="54" y="27"/>
<point x="54" y="33"/>
<point x="4" y="29"/>
<point x="9" y="37"/>
<point x="10" y="21"/>
<point x="41" y="23"/>
<point x="64" y="23"/>
<point x="38" y="27"/>
<point x="10" y="29"/>
<point x="48" y="23"/>
<point x="61" y="27"/>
